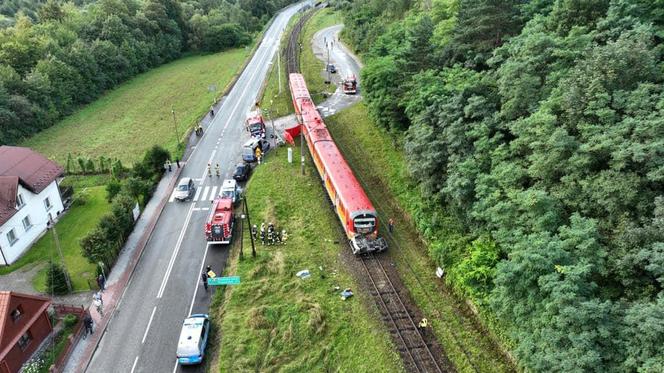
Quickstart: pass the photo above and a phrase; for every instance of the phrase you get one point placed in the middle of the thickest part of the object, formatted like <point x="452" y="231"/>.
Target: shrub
<point x="70" y="320"/>
<point x="69" y="163"/>
<point x="112" y="189"/>
<point x="81" y="164"/>
<point x="96" y="248"/>
<point x="90" y="166"/>
<point x="56" y="279"/>
<point x="80" y="198"/>
<point x="154" y="160"/>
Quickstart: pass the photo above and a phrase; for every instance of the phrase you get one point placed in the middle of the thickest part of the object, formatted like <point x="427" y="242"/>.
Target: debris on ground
<point x="347" y="293"/>
<point x="303" y="274"/>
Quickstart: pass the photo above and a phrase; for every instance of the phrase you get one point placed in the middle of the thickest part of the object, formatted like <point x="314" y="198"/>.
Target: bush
<point x="80" y="198"/>
<point x="70" y="320"/>
<point x="56" y="279"/>
<point x="154" y="160"/>
<point x="112" y="189"/>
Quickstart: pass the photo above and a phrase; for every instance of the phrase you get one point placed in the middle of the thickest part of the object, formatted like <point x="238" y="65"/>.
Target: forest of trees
<point x="535" y="131"/>
<point x="56" y="56"/>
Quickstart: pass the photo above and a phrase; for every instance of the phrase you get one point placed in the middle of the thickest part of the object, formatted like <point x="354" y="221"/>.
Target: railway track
<point x="293" y="47"/>
<point x="415" y="352"/>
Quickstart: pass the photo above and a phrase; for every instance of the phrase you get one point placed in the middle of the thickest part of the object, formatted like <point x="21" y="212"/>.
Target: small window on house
<point x="11" y="236"/>
<point x="17" y="313"/>
<point x="27" y="224"/>
<point x="19" y="201"/>
<point x="24" y="341"/>
<point x="47" y="204"/>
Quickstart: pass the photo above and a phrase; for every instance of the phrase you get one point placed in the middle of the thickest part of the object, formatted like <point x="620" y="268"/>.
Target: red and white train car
<point x="352" y="206"/>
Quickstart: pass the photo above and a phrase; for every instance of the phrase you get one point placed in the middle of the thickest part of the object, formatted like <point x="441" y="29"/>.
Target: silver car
<point x="185" y="189"/>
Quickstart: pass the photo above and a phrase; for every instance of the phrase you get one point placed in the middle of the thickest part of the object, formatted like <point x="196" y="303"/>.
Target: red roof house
<point x="29" y="199"/>
<point x="24" y="324"/>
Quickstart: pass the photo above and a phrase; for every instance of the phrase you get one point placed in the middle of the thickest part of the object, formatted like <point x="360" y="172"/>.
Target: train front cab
<point x="365" y="233"/>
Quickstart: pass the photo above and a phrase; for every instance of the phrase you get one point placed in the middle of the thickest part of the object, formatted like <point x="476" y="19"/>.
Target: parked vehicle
<point x="185" y="189"/>
<point x="349" y="85"/>
<point x="331" y="68"/>
<point x="193" y="339"/>
<point x="230" y="190"/>
<point x="242" y="171"/>
<point x="255" y="124"/>
<point x="219" y="224"/>
<point x="249" y="149"/>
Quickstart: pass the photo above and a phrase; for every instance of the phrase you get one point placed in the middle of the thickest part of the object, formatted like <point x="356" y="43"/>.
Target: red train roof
<point x="345" y="183"/>
<point x="348" y="188"/>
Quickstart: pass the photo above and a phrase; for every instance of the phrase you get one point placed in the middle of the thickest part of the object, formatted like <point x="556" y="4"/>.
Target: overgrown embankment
<point x="277" y="321"/>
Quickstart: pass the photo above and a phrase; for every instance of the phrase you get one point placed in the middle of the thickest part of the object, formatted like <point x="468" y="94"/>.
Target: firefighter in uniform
<point x="209" y="169"/>
<point x="217" y="169"/>
<point x="424" y="323"/>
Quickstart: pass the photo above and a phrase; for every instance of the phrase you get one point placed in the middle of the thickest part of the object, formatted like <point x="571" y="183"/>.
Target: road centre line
<point x="200" y="270"/>
<point x="175" y="252"/>
<point x="134" y="366"/>
<point x="149" y="323"/>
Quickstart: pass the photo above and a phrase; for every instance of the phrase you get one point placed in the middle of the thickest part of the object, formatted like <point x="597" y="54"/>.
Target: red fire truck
<point x="255" y="124"/>
<point x="219" y="225"/>
<point x="350" y="85"/>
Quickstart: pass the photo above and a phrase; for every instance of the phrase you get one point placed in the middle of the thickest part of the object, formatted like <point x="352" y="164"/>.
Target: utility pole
<point x="302" y="146"/>
<point x="246" y="211"/>
<point x="241" y="235"/>
<point x="327" y="67"/>
<point x="57" y="246"/>
<point x="279" y="69"/>
<point x="175" y="127"/>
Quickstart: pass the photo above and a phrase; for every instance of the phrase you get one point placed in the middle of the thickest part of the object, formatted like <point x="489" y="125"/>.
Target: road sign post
<point x="230" y="280"/>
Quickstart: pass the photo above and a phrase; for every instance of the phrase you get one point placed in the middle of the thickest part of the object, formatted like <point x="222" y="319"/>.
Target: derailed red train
<point x="353" y="207"/>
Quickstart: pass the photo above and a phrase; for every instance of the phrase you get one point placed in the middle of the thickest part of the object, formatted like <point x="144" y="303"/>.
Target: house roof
<point x="22" y="165"/>
<point x="39" y="304"/>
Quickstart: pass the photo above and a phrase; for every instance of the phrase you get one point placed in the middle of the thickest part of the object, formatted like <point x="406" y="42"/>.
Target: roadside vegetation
<point x="274" y="320"/>
<point x="58" y="56"/>
<point x="127" y="121"/>
<point x="533" y="133"/>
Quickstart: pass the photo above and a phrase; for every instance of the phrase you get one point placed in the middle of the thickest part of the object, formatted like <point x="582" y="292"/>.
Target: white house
<point x="29" y="199"/>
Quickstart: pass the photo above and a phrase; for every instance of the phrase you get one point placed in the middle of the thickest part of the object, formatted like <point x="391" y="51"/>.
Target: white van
<point x="193" y="339"/>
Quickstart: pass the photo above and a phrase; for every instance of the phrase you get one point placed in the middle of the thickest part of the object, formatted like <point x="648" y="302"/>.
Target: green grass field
<point x="312" y="67"/>
<point x="76" y="223"/>
<point x="385" y="178"/>
<point x="128" y="120"/>
<point x="279" y="104"/>
<point x="275" y="321"/>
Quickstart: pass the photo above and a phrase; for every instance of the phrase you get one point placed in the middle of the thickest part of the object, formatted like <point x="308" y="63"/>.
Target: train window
<point x="364" y="225"/>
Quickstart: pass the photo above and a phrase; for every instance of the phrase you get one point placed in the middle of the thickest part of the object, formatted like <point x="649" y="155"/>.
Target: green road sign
<point x="230" y="280"/>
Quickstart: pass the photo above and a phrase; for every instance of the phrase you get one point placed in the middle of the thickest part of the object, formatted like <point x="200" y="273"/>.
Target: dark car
<point x="241" y="172"/>
<point x="331" y="68"/>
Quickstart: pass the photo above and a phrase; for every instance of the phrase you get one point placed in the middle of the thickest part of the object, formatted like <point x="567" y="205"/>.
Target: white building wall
<point x="35" y="209"/>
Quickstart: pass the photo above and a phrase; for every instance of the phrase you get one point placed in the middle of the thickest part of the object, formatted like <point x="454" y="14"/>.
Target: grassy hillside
<point x="125" y="122"/>
<point x="275" y="321"/>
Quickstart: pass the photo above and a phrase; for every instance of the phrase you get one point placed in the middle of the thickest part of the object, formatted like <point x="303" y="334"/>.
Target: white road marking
<point x="198" y="193"/>
<point x="175" y="252"/>
<point x="205" y="193"/>
<point x="134" y="366"/>
<point x="149" y="323"/>
<point x="212" y="193"/>
<point x="191" y="307"/>
<point x="204" y="208"/>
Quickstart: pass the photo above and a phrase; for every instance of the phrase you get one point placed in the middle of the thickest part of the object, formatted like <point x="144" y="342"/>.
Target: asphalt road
<point x="165" y="287"/>
<point x="326" y="42"/>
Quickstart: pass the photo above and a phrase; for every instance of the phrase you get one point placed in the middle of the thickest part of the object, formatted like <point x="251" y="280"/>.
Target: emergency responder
<point x="217" y="169"/>
<point x="209" y="170"/>
<point x="262" y="237"/>
<point x="424" y="323"/>
<point x="254" y="231"/>
<point x="204" y="277"/>
<point x="259" y="155"/>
